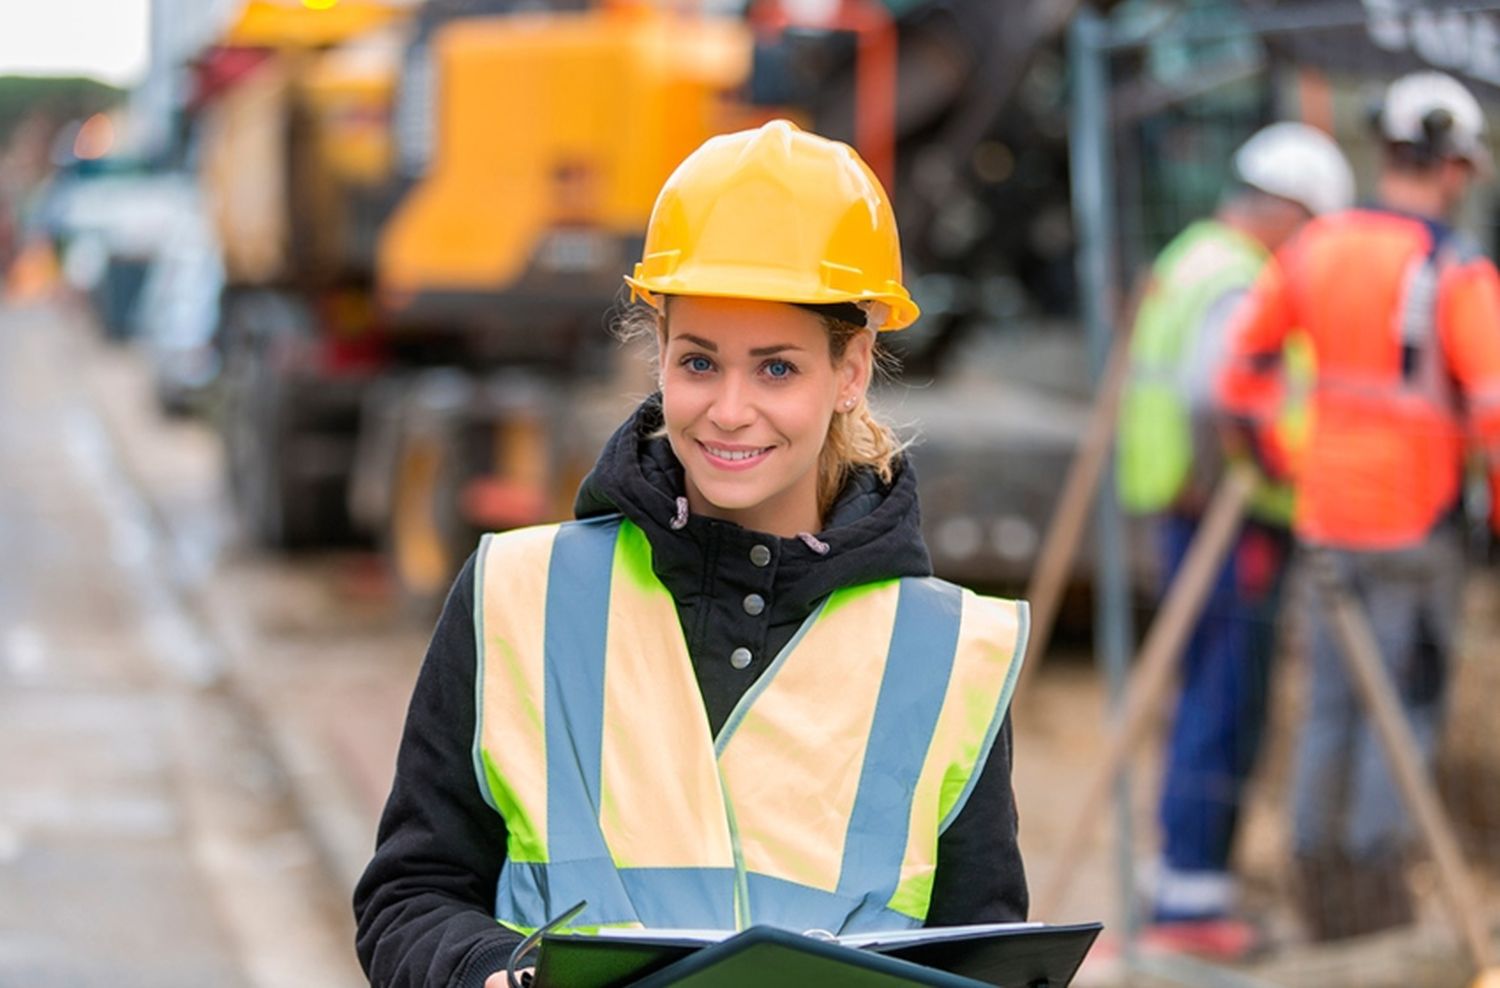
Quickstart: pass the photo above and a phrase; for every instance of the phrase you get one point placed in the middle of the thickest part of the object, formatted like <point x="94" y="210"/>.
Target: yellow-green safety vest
<point x="818" y="805"/>
<point x="1199" y="267"/>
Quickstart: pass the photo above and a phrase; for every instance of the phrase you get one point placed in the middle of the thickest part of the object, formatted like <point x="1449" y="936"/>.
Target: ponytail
<point x="856" y="438"/>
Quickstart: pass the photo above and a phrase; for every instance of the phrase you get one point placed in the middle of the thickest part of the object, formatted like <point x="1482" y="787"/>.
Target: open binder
<point x="1011" y="955"/>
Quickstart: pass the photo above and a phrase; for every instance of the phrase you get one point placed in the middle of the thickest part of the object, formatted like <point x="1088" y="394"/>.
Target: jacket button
<point x="760" y="555"/>
<point x="754" y="604"/>
<point x="739" y="658"/>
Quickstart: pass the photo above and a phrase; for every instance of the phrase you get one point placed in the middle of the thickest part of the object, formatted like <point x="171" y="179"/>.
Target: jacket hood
<point x="874" y="530"/>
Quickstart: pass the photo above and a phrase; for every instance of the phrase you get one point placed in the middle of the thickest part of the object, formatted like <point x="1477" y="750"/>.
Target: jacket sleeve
<point x="424" y="906"/>
<point x="1469" y="322"/>
<point x="979" y="877"/>
<point x="1250" y="387"/>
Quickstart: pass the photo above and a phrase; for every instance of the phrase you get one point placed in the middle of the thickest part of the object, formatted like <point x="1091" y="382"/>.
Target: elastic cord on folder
<point x="517" y="956"/>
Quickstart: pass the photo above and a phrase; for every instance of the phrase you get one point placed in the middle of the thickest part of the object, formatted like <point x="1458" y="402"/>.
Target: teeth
<point x="738" y="454"/>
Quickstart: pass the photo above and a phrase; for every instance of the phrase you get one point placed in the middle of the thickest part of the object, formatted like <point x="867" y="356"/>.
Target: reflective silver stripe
<point x="1416" y="315"/>
<point x="1382" y="389"/>
<point x="924" y="645"/>
<point x="1484" y="399"/>
<point x="1427" y="376"/>
<point x="1376" y="387"/>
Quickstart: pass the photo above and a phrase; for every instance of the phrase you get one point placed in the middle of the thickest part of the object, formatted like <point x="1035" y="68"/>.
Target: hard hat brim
<point x="902" y="311"/>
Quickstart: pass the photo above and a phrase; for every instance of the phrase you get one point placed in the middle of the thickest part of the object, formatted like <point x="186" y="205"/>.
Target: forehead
<point x="744" y="323"/>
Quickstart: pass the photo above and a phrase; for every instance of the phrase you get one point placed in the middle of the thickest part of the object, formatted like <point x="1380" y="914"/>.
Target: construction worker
<point x="1170" y="459"/>
<point x="1404" y="319"/>
<point x="731" y="692"/>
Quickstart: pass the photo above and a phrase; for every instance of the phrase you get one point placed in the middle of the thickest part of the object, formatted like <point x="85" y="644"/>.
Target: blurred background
<point x="301" y="296"/>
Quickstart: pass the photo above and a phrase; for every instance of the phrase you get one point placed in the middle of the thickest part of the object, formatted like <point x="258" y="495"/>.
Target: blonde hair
<point x="856" y="437"/>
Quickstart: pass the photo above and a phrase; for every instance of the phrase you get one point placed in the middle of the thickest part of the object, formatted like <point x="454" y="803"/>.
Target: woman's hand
<point x="499" y="980"/>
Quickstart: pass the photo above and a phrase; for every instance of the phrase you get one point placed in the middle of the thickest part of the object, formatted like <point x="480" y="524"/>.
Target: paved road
<point x="147" y="837"/>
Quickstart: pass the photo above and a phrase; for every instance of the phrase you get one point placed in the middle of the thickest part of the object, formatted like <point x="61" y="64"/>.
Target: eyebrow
<point x="760" y="351"/>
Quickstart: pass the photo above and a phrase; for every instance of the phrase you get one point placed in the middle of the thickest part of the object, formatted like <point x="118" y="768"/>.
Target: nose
<point x="733" y="406"/>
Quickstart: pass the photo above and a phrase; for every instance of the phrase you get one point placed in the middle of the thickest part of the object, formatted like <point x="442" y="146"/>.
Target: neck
<point x="1245" y="223"/>
<point x="1417" y="194"/>
<point x="786" y="515"/>
<point x="1267" y="228"/>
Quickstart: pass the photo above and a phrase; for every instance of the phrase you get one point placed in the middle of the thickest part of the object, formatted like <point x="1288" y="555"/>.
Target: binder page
<point x="935" y="934"/>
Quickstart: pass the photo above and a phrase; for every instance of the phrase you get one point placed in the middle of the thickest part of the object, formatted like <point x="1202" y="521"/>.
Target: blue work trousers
<point x="1220" y="718"/>
<point x="1345" y="799"/>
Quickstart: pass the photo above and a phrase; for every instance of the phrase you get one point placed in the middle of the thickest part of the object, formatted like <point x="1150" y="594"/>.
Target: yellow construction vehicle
<point x="426" y="211"/>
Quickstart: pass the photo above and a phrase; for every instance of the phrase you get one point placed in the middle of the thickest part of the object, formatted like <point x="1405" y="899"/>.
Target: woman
<point x="731" y="692"/>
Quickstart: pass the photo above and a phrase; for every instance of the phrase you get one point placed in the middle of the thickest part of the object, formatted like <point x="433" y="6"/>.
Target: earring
<point x="848" y="404"/>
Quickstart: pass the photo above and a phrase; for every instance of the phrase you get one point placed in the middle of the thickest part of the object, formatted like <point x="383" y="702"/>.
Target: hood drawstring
<point x="680" y="521"/>
<point x="814" y="543"/>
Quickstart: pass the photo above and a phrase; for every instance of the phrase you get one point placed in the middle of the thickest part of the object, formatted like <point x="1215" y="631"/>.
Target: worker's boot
<point x="1325" y="895"/>
<point x="1382" y="898"/>
<point x="1341" y="897"/>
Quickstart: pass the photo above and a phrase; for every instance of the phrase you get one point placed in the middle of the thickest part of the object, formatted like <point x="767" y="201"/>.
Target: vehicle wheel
<point x="249" y="428"/>
<point x="425" y="539"/>
<point x="280" y="502"/>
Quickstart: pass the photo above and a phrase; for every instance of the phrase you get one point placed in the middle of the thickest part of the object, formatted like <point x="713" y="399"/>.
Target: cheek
<point x="678" y="404"/>
<point x="807" y="415"/>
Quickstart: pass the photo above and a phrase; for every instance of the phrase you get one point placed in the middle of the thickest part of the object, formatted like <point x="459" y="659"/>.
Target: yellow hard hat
<point x="780" y="215"/>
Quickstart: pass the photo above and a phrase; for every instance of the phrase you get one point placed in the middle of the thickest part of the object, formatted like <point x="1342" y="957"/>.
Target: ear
<point x="855" y="369"/>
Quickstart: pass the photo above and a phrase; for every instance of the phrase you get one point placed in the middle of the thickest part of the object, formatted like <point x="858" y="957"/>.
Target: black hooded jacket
<point x="425" y="903"/>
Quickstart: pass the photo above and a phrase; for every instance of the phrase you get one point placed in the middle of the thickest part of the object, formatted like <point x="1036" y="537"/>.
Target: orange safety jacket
<point x="1405" y="324"/>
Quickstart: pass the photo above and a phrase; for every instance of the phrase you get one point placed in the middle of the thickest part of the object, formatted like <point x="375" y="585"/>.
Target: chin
<point x="731" y="500"/>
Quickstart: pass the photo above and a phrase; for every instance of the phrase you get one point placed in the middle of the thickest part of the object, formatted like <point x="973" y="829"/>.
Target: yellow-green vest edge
<point x="713" y="870"/>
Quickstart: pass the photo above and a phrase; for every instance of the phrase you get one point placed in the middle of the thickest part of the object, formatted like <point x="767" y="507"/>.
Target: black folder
<point x="1022" y="956"/>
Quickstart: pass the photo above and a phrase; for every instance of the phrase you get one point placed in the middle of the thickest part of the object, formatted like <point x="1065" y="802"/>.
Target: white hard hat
<point x="1297" y="162"/>
<point x="1435" y="109"/>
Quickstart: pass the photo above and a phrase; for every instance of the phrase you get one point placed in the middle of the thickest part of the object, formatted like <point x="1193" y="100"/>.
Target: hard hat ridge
<point x="1434" y="112"/>
<point x="770" y="142"/>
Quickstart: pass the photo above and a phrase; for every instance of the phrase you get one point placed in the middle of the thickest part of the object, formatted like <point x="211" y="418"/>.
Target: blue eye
<point x="698" y="364"/>
<point x="780" y="369"/>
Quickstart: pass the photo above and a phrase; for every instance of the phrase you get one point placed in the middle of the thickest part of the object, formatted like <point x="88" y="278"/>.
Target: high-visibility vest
<point x="1403" y="319"/>
<point x="1202" y="265"/>
<point x="818" y="805"/>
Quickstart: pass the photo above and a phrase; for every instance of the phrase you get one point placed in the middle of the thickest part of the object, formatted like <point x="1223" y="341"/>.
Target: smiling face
<point x="748" y="391"/>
